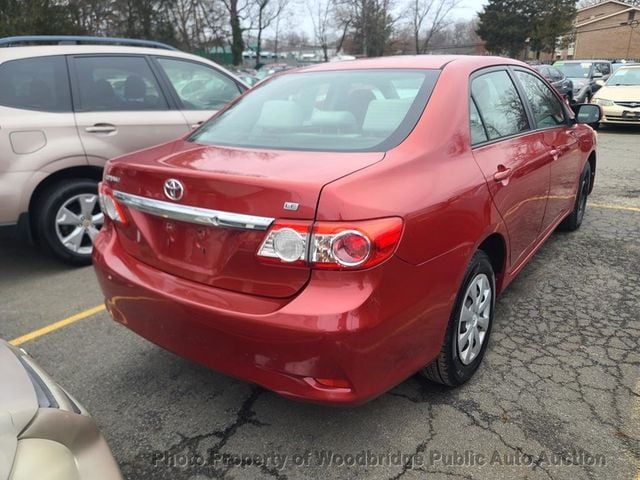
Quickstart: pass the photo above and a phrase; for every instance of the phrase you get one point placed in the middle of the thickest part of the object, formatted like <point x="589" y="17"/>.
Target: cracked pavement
<point x="558" y="395"/>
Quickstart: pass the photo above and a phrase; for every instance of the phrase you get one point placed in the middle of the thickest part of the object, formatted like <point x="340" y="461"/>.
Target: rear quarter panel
<point x="431" y="180"/>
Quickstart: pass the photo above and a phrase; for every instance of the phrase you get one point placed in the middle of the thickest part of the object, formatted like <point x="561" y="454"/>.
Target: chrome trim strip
<point x="198" y="215"/>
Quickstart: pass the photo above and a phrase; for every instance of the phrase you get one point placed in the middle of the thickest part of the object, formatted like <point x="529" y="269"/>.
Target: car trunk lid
<point x="230" y="196"/>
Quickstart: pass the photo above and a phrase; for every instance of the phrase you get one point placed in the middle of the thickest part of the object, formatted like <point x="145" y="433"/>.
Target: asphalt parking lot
<point x="558" y="396"/>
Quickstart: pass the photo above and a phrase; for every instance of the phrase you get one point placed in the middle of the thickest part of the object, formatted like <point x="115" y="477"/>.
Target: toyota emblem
<point x="173" y="189"/>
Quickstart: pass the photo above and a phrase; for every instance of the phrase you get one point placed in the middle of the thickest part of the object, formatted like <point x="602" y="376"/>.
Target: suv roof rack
<point x="81" y="39"/>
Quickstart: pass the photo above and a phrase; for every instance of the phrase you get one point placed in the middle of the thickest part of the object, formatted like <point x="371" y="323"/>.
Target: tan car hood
<point x="18" y="405"/>
<point x="620" y="93"/>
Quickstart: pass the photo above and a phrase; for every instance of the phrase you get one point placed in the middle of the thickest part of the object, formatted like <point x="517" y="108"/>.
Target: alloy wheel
<point x="78" y="221"/>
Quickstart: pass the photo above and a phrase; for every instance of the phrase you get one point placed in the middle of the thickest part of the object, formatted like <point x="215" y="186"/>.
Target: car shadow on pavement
<point x="20" y="259"/>
<point x="620" y="129"/>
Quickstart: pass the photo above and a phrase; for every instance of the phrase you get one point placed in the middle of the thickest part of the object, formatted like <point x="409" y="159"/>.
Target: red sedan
<point x="344" y="226"/>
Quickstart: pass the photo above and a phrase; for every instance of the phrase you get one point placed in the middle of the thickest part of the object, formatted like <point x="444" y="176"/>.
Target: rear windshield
<point x="574" y="70"/>
<point x="353" y="110"/>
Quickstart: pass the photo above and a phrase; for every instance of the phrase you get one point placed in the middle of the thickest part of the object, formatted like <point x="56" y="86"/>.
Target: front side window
<point x="199" y="87"/>
<point x="117" y="83"/>
<point x="351" y="110"/>
<point x="547" y="109"/>
<point x="499" y="104"/>
<point x="39" y="83"/>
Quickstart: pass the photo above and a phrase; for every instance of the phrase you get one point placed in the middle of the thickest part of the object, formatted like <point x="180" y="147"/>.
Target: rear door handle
<point x="101" y="128"/>
<point x="502" y="174"/>
<point x="554" y="153"/>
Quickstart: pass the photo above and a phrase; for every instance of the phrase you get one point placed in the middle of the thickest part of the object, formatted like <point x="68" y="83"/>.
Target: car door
<point x="37" y="130"/>
<point x="120" y="107"/>
<point x="550" y="118"/>
<point x="513" y="158"/>
<point x="200" y="90"/>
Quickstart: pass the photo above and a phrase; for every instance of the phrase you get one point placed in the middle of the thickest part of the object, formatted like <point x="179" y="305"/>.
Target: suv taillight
<point x="109" y="205"/>
<point x="331" y="245"/>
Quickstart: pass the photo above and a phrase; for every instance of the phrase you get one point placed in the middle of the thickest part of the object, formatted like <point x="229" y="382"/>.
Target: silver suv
<point x="67" y="108"/>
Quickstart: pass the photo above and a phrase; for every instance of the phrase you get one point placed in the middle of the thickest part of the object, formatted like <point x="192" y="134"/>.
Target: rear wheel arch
<point x="495" y="247"/>
<point x="592" y="162"/>
<point x="71" y="173"/>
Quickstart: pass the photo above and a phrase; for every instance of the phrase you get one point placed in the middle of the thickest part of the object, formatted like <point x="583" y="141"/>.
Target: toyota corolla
<point x="344" y="226"/>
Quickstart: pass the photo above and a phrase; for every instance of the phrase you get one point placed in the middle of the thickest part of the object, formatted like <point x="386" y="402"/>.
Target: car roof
<point x="582" y="61"/>
<point x="10" y="53"/>
<point x="413" y="61"/>
<point x="15" y="53"/>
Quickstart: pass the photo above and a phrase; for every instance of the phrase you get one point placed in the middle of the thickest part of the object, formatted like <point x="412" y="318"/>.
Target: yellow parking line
<point x="55" y="326"/>
<point x="615" y="207"/>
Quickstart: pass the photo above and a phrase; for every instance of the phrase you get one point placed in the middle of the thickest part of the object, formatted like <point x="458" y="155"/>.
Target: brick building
<point x="608" y="30"/>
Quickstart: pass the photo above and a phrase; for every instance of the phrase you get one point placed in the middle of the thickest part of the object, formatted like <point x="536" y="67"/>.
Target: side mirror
<point x="600" y="83"/>
<point x="597" y="75"/>
<point x="588" y="113"/>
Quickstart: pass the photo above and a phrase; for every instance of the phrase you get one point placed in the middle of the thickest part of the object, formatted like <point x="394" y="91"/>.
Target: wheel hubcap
<point x="78" y="221"/>
<point x="475" y="316"/>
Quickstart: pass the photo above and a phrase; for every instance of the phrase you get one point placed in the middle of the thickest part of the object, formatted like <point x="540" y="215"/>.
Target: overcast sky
<point x="469" y="8"/>
<point x="301" y="20"/>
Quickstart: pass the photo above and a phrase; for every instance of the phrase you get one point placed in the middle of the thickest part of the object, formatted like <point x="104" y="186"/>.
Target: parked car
<point x="583" y="74"/>
<point x="45" y="432"/>
<point x="560" y="82"/>
<point x="326" y="237"/>
<point x="66" y="109"/>
<point x="616" y="64"/>
<point x="619" y="97"/>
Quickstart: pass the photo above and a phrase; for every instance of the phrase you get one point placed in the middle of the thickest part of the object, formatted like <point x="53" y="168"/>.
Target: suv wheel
<point x="68" y="219"/>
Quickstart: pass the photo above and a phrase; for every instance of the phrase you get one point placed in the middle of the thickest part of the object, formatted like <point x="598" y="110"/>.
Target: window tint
<point x="198" y="86"/>
<point x="352" y="110"/>
<point x="547" y="109"/>
<point x="117" y="83"/>
<point x="478" y="133"/>
<point x="39" y="83"/>
<point x="603" y="68"/>
<point x="499" y="104"/>
<point x="555" y="74"/>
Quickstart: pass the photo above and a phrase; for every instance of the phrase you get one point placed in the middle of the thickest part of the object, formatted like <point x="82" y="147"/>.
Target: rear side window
<point x="499" y="104"/>
<point x="117" y="83"/>
<point x="547" y="109"/>
<point x="478" y="133"/>
<point x="40" y="83"/>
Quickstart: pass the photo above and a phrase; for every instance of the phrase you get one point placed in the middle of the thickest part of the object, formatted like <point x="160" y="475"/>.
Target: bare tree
<point x="322" y="13"/>
<point x="428" y="18"/>
<point x="238" y="11"/>
<point x="266" y="11"/>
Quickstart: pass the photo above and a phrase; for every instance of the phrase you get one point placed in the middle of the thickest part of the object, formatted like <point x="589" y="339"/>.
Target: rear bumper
<point x="372" y="328"/>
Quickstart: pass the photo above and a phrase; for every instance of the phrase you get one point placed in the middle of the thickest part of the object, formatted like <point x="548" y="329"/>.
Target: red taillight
<point x="110" y="207"/>
<point x="332" y="245"/>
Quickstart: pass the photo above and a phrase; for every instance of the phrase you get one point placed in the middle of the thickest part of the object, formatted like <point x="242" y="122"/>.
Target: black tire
<point x="448" y="369"/>
<point x="574" y="220"/>
<point x="51" y="200"/>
